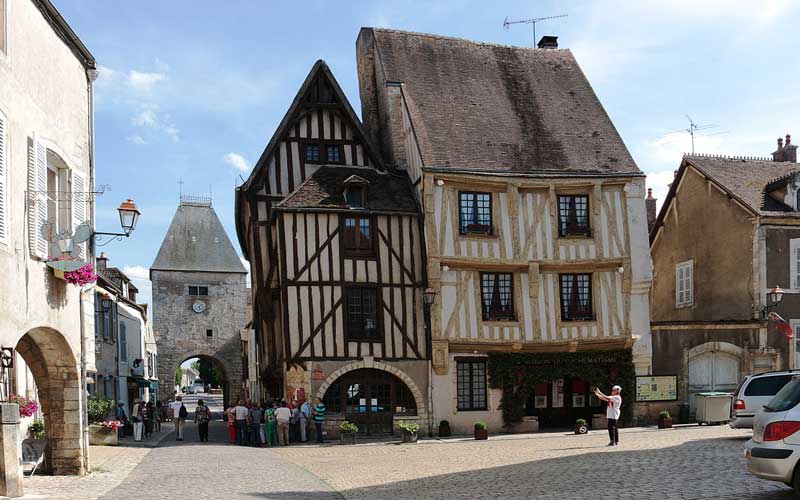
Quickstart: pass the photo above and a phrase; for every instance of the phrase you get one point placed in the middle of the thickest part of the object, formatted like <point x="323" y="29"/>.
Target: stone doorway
<point x="57" y="375"/>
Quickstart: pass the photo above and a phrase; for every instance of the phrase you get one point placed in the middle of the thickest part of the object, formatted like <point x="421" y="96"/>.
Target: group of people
<point x="145" y="418"/>
<point x="278" y="423"/>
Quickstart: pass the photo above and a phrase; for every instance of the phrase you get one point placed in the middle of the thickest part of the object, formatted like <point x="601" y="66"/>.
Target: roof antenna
<point x="693" y="128"/>
<point x="532" y="22"/>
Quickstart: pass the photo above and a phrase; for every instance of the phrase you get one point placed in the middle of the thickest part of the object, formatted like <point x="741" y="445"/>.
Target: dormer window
<point x="355" y="191"/>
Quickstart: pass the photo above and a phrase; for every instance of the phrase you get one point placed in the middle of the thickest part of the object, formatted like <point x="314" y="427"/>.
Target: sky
<point x="192" y="91"/>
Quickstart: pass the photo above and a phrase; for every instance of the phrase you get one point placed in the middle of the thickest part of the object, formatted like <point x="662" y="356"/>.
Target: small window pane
<point x="333" y="154"/>
<point x="312" y="152"/>
<point x="471" y="385"/>
<point x="497" y="296"/>
<point x="576" y="297"/>
<point x="573" y="215"/>
<point x="475" y="213"/>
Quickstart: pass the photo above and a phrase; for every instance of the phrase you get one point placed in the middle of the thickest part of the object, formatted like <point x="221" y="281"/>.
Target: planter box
<point x="103" y="436"/>
<point x="347" y="438"/>
<point x="581" y="429"/>
<point x="665" y="423"/>
<point x="481" y="434"/>
<point x="408" y="437"/>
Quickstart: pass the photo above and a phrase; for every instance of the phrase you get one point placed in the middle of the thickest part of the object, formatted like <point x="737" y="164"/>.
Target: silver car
<point x="754" y="392"/>
<point x="774" y="450"/>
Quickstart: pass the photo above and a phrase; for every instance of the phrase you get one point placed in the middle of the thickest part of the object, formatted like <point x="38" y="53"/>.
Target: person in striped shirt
<point x="319" y="417"/>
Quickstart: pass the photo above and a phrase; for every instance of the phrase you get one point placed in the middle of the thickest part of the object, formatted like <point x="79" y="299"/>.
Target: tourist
<point x="230" y="417"/>
<point x="319" y="418"/>
<point x="254" y="421"/>
<point x="283" y="415"/>
<point x="119" y="414"/>
<point x="613" y="411"/>
<point x="155" y="418"/>
<point x="303" y="417"/>
<point x="179" y="414"/>
<point x="145" y="409"/>
<point x="271" y="425"/>
<point x="136" y="418"/>
<point x="294" y="422"/>
<point x="202" y="415"/>
<point x="240" y="418"/>
<point x="262" y="427"/>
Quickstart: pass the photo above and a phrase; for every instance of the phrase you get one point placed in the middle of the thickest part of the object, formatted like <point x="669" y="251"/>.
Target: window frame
<point x="360" y="188"/>
<point x="352" y="336"/>
<point x="565" y="232"/>
<point x="308" y="144"/>
<point x="339" y="149"/>
<point x="198" y="288"/>
<point x="682" y="302"/>
<point x="123" y="341"/>
<point x="794" y="262"/>
<point x="492" y="314"/>
<point x="566" y="314"/>
<point x="471" y="385"/>
<point x="355" y="250"/>
<point x="465" y="230"/>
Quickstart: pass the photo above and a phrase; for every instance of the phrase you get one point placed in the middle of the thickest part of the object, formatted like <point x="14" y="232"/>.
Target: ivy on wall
<point x="517" y="374"/>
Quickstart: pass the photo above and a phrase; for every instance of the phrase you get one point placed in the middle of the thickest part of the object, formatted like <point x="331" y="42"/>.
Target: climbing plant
<point x="517" y="374"/>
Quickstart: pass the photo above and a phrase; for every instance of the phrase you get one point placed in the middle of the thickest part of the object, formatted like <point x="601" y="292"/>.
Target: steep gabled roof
<point x="499" y="109"/>
<point x="747" y="180"/>
<point x="320" y="69"/>
<point x="196" y="241"/>
<point x="386" y="192"/>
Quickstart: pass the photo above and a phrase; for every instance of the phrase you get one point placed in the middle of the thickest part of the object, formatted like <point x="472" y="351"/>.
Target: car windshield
<point x="787" y="398"/>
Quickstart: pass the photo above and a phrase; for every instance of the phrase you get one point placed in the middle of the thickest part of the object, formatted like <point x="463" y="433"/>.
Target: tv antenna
<point x="694" y="128"/>
<point x="532" y="22"/>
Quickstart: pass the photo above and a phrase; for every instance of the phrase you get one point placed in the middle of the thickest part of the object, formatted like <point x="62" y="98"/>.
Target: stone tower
<point x="200" y="297"/>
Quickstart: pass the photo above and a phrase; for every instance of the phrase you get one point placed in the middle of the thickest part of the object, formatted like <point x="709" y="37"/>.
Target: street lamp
<point x="428" y="296"/>
<point x="774" y="297"/>
<point x="128" y="217"/>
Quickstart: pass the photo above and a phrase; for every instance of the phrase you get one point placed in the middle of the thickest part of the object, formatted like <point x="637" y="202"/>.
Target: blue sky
<point x="194" y="90"/>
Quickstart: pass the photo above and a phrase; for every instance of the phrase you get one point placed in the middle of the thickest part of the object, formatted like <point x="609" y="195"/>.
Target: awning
<point x="143" y="382"/>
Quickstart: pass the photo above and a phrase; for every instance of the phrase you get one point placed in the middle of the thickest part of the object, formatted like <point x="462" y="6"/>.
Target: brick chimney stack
<point x="650" y="205"/>
<point x="102" y="261"/>
<point x="786" y="151"/>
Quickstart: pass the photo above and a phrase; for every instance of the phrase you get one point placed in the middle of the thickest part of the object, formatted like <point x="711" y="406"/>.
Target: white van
<point x="753" y="393"/>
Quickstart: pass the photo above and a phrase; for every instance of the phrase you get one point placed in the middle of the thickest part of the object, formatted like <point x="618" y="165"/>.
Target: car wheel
<point x="796" y="481"/>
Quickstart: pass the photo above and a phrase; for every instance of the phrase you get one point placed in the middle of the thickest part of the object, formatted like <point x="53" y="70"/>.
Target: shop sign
<point x="657" y="388"/>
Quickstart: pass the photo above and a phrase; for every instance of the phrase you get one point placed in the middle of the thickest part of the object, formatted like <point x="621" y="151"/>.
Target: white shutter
<point x="797" y="267"/>
<point x="679" y="286"/>
<point x="79" y="205"/>
<point x="4" y="216"/>
<point x="687" y="291"/>
<point x="37" y="198"/>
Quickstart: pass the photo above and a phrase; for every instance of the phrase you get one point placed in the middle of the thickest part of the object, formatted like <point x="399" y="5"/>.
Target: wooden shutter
<point x="689" y="285"/>
<point x="4" y="216"/>
<point x="37" y="198"/>
<point x="79" y="206"/>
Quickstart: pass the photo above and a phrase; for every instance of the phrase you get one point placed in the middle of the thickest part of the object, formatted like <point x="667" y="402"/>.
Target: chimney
<point x="548" y="42"/>
<point x="102" y="261"/>
<point x="650" y="205"/>
<point x="786" y="152"/>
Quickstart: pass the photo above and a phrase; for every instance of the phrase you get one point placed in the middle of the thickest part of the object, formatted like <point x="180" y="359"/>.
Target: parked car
<point x="774" y="450"/>
<point x="198" y="388"/>
<point x="754" y="392"/>
<point x="188" y="390"/>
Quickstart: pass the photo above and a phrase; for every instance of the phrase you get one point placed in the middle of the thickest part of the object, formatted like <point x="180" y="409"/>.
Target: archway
<point x="57" y="375"/>
<point x="213" y="375"/>
<point x="370" y="398"/>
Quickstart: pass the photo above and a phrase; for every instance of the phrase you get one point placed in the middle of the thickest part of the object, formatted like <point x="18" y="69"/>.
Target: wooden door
<point x="712" y="372"/>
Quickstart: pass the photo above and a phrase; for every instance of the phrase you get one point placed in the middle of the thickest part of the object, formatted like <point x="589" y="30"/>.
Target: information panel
<point x="660" y="388"/>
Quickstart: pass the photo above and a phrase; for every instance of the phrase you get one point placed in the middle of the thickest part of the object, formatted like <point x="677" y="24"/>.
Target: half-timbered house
<point x="535" y="226"/>
<point x="335" y="244"/>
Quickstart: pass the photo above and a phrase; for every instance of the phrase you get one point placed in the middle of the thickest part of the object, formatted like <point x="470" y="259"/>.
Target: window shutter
<point x="797" y="267"/>
<point x="688" y="284"/>
<point x="37" y="198"/>
<point x="79" y="206"/>
<point x="4" y="217"/>
<point x="679" y="286"/>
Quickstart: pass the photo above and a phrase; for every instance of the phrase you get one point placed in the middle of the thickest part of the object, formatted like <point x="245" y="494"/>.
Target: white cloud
<point x="140" y="276"/>
<point x="133" y="82"/>
<point x="670" y="148"/>
<point x="143" y="81"/>
<point x="237" y="161"/>
<point x="158" y="122"/>
<point x="136" y="139"/>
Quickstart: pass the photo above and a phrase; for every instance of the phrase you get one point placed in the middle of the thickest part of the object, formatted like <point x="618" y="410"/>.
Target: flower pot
<point x="481" y="434"/>
<point x="444" y="429"/>
<point x="347" y="438"/>
<point x="408" y="437"/>
<point x="665" y="423"/>
<point x="581" y="429"/>
<point x="100" y="435"/>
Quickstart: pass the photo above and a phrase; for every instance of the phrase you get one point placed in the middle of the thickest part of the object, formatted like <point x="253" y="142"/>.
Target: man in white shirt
<point x="175" y="410"/>
<point x="613" y="411"/>
<point x="240" y="413"/>
<point x="283" y="415"/>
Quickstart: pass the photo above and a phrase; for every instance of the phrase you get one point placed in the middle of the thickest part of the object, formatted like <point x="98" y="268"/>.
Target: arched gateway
<point x="200" y="296"/>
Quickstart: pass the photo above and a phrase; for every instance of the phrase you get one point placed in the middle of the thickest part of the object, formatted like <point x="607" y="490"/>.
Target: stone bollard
<point x="10" y="461"/>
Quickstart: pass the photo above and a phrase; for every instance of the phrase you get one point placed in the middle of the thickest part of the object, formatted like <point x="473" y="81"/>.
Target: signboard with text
<point x="657" y="388"/>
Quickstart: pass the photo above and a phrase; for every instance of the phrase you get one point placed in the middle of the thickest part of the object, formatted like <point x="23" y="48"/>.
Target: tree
<point x="178" y="375"/>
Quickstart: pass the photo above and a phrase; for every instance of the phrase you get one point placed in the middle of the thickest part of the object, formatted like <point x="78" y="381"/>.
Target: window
<point x="198" y="290"/>
<point x="123" y="341"/>
<point x="358" y="236"/>
<point x="497" y="296"/>
<point x="766" y="386"/>
<point x="573" y="215"/>
<point x="354" y="195"/>
<point x="475" y="213"/>
<point x="59" y="191"/>
<point x="684" y="284"/>
<point x="312" y="152"/>
<point x="471" y="384"/>
<point x="334" y="153"/>
<point x="102" y="319"/>
<point x="576" y="297"/>
<point x="794" y="263"/>
<point x="209" y="333"/>
<point x="362" y="313"/>
<point x="4" y="216"/>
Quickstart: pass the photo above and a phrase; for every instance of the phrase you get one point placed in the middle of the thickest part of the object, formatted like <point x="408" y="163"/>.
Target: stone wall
<point x="181" y="332"/>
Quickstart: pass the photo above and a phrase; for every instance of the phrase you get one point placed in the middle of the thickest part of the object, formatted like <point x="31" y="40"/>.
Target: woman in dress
<point x="231" y="422"/>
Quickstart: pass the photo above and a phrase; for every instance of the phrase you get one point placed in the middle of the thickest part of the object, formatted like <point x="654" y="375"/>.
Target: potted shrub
<point x="481" y="434"/>
<point x="36" y="429"/>
<point x="347" y="432"/>
<point x="102" y="431"/>
<point x="408" y="431"/>
<point x="581" y="427"/>
<point x="444" y="429"/>
<point x="664" y="420"/>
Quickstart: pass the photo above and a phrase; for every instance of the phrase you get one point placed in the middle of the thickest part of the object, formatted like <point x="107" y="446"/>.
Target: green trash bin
<point x="713" y="407"/>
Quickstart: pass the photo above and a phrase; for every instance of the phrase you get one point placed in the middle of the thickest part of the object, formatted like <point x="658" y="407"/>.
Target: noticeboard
<point x="657" y="388"/>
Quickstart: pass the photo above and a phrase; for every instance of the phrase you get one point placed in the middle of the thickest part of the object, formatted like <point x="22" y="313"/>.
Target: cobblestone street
<point x="683" y="463"/>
